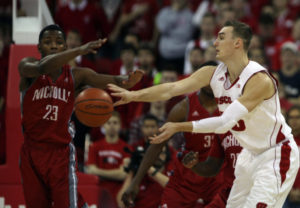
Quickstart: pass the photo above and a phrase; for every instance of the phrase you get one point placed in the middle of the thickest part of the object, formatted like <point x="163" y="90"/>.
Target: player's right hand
<point x="129" y="195"/>
<point x="124" y="95"/>
<point x="91" y="47"/>
<point x="190" y="159"/>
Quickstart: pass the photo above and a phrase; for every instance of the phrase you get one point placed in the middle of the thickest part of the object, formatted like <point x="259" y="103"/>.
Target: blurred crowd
<point x="169" y="40"/>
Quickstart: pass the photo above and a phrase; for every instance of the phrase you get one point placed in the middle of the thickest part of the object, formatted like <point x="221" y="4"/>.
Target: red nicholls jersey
<point x="196" y="141"/>
<point x="228" y="148"/>
<point x="47" y="107"/>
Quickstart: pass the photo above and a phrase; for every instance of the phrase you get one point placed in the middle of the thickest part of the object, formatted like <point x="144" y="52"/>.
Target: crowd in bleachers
<point x="169" y="40"/>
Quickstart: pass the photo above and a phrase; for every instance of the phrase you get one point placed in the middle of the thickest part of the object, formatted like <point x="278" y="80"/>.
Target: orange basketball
<point x="93" y="107"/>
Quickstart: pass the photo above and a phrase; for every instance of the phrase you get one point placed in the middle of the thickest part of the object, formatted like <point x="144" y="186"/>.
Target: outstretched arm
<point x="86" y="76"/>
<point x="258" y="88"/>
<point x="197" y="80"/>
<point x="30" y="67"/>
<point x="208" y="168"/>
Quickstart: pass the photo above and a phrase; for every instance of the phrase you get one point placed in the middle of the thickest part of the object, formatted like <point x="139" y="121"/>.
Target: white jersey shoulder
<point x="261" y="128"/>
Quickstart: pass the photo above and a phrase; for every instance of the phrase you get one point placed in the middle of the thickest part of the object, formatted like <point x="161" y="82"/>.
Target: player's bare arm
<point x="196" y="81"/>
<point x="259" y="88"/>
<point x="177" y="114"/>
<point x="86" y="76"/>
<point x="31" y="68"/>
<point x="208" y="168"/>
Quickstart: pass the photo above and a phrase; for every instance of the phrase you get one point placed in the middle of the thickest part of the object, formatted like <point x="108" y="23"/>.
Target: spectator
<point x="157" y="109"/>
<point x="289" y="73"/>
<point x="258" y="55"/>
<point x="146" y="60"/>
<point x="83" y="16"/>
<point x="243" y="13"/>
<point x="106" y="157"/>
<point x="284" y="19"/>
<point x="74" y="40"/>
<point x="293" y="119"/>
<point x="126" y="63"/>
<point x="133" y="39"/>
<point x="256" y="42"/>
<point x="174" y="24"/>
<point x="210" y="54"/>
<point x="205" y="39"/>
<point x="225" y="15"/>
<point x="196" y="58"/>
<point x="137" y="17"/>
<point x="266" y="31"/>
<point x="295" y="37"/>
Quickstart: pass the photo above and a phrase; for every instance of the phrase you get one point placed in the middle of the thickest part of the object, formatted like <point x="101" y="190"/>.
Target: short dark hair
<point x="128" y="47"/>
<point x="150" y="117"/>
<point x="241" y="30"/>
<point x="53" y="27"/>
<point x="146" y="47"/>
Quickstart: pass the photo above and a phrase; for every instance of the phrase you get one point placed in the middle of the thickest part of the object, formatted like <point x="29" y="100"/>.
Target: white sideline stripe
<point x="93" y="206"/>
<point x="21" y="206"/>
<point x="7" y="206"/>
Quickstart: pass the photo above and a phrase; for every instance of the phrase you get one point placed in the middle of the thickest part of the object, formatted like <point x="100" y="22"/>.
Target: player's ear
<point x="238" y="43"/>
<point x="39" y="47"/>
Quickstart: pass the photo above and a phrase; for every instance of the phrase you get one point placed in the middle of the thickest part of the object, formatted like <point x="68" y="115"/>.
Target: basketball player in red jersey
<point x="47" y="86"/>
<point x="225" y="150"/>
<point x="184" y="187"/>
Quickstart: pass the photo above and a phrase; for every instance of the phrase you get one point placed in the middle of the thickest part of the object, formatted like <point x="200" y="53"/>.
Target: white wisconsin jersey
<point x="261" y="128"/>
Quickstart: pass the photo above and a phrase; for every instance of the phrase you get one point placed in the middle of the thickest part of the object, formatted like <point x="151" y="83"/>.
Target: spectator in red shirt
<point x="83" y="16"/>
<point x="293" y="119"/>
<point x="106" y="157"/>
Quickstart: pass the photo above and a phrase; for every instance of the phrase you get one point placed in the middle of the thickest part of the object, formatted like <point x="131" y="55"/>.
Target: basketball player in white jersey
<point x="248" y="98"/>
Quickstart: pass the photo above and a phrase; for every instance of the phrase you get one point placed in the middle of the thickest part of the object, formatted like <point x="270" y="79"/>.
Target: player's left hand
<point x="166" y="131"/>
<point x="133" y="78"/>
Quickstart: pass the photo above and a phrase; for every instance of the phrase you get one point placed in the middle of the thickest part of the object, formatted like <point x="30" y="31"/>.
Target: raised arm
<point x="30" y="67"/>
<point x="197" y="80"/>
<point x="258" y="88"/>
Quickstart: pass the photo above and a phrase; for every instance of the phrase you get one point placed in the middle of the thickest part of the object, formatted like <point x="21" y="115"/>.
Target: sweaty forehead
<point x="53" y="34"/>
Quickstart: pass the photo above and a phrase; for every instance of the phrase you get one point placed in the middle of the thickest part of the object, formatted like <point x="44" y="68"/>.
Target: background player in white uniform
<point x="248" y="96"/>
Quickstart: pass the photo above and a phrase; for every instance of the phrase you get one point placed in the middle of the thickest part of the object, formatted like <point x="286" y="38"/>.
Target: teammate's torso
<point x="264" y="126"/>
<point x="197" y="141"/>
<point x="47" y="107"/>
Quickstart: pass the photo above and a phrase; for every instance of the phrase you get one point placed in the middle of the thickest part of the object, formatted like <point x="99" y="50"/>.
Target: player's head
<point x="112" y="127"/>
<point x="149" y="125"/>
<point x="52" y="39"/>
<point x="234" y="37"/>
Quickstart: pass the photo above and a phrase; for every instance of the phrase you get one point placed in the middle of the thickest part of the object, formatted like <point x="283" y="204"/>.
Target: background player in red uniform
<point x="47" y="86"/>
<point x="225" y="150"/>
<point x="184" y="187"/>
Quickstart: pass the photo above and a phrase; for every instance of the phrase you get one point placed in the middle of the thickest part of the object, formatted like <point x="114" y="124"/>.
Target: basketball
<point x="93" y="107"/>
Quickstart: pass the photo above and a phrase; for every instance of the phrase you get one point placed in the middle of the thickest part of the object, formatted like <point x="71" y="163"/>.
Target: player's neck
<point x="112" y="139"/>
<point x="236" y="65"/>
